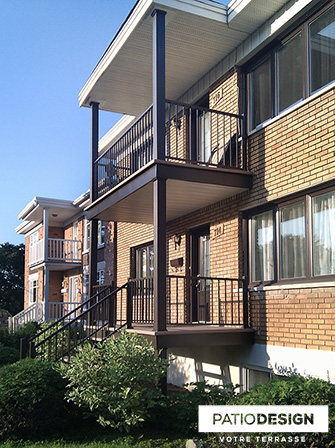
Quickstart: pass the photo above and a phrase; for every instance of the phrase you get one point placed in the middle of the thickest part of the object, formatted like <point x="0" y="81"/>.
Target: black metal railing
<point x="96" y="319"/>
<point x="127" y="155"/>
<point x="193" y="134"/>
<point x="189" y="300"/>
<point x="206" y="300"/>
<point x="203" y="136"/>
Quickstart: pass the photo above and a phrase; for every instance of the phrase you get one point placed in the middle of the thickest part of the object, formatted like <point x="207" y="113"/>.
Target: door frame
<point x="195" y="234"/>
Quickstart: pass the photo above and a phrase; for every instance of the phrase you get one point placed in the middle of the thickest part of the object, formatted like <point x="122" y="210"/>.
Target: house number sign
<point x="217" y="97"/>
<point x="217" y="231"/>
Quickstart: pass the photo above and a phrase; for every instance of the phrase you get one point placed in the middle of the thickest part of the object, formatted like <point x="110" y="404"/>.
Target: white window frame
<point x="101" y="234"/>
<point x="33" y="286"/>
<point x="87" y="235"/>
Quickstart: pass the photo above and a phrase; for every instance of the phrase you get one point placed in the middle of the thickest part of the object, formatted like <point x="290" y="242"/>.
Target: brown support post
<point x="94" y="149"/>
<point x="129" y="309"/>
<point x="163" y="381"/>
<point x="245" y="303"/>
<point x="160" y="254"/>
<point x="158" y="77"/>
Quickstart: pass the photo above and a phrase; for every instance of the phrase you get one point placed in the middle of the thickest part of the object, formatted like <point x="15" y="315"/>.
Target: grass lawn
<point x="100" y="438"/>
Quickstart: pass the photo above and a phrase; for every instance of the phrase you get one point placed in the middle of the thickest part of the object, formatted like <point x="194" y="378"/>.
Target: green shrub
<point x="181" y="412"/>
<point x="8" y="355"/>
<point x="31" y="398"/>
<point x="293" y="390"/>
<point x="117" y="381"/>
<point x="26" y="332"/>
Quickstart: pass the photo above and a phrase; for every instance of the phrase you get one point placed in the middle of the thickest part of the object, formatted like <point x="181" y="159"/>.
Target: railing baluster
<point x="236" y="145"/>
<point x="230" y="146"/>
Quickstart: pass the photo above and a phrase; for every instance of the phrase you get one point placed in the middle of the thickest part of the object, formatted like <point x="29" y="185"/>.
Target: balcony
<point x="60" y="252"/>
<point x="204" y="162"/>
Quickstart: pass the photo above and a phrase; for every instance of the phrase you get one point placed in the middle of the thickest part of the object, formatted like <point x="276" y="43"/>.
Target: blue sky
<point x="48" y="49"/>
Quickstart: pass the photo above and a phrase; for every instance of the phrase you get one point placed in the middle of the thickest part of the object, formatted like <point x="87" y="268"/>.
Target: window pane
<point x="322" y="49"/>
<point x="141" y="262"/>
<point x="151" y="261"/>
<point x="204" y="137"/>
<point x="292" y="241"/>
<point x="324" y="234"/>
<point x="260" y="93"/>
<point x="289" y="58"/>
<point x="262" y="247"/>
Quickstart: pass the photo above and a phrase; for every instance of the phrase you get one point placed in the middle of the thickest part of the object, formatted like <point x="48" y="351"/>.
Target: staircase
<point x="34" y="313"/>
<point x="94" y="320"/>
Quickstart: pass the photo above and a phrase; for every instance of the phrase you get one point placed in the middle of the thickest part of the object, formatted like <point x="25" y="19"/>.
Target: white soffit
<point x="197" y="38"/>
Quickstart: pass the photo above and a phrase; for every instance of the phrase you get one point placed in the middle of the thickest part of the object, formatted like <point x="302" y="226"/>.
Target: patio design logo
<point x="249" y="419"/>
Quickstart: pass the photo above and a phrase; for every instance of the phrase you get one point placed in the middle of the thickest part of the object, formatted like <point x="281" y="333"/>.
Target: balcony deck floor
<point x="196" y="335"/>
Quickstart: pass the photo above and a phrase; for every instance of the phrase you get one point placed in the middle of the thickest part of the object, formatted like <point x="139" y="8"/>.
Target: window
<point x="33" y="288"/>
<point x="33" y="239"/>
<point x="260" y="93"/>
<point x="101" y="265"/>
<point x="293" y="241"/>
<point x="289" y="72"/>
<point x="324" y="234"/>
<point x="87" y="234"/>
<point x="251" y="376"/>
<point x="285" y="75"/>
<point x="144" y="261"/>
<point x="262" y="235"/>
<point x="204" y="137"/>
<point x="322" y="49"/>
<point x="101" y="233"/>
<point x="101" y="277"/>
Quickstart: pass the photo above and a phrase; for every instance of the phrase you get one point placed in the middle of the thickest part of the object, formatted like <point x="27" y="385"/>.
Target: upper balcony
<point x="175" y="50"/>
<point x="62" y="253"/>
<point x="204" y="162"/>
<point x="194" y="135"/>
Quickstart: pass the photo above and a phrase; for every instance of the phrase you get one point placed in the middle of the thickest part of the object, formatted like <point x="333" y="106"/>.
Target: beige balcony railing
<point x="63" y="250"/>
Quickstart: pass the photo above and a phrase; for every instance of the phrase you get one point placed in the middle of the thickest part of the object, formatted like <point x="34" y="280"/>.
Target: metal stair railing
<point x="93" y="320"/>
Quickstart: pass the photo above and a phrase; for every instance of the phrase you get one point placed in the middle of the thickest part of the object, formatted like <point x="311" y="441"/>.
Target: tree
<point x="11" y="277"/>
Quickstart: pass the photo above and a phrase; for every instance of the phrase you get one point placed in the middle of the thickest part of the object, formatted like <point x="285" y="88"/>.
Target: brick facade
<point x="291" y="153"/>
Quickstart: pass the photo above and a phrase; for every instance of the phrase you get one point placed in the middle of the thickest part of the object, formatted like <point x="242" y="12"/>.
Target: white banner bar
<point x="302" y="419"/>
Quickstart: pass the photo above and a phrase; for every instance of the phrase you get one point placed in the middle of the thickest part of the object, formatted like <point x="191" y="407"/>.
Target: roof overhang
<point x="59" y="212"/>
<point x="200" y="31"/>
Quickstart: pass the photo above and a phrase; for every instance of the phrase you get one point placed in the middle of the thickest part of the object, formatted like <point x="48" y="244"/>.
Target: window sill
<point x="101" y="246"/>
<point x="291" y="109"/>
<point x="86" y="251"/>
<point x="325" y="284"/>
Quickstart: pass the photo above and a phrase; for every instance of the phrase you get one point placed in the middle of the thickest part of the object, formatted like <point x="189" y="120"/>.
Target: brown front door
<point x="200" y="271"/>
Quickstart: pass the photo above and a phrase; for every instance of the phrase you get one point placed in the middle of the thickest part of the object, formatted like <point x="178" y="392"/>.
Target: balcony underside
<point x="188" y="188"/>
<point x="57" y="266"/>
<point x="196" y="335"/>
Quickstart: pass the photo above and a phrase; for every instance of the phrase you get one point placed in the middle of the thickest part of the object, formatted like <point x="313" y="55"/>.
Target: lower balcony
<point x="61" y="253"/>
<point x="199" y="311"/>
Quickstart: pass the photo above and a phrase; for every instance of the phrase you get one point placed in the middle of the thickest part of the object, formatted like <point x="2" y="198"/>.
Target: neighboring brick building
<point x="235" y="172"/>
<point x="56" y="273"/>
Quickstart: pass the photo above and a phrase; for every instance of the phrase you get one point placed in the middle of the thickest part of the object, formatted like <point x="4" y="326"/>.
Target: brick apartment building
<point x="220" y="178"/>
<point x="57" y="246"/>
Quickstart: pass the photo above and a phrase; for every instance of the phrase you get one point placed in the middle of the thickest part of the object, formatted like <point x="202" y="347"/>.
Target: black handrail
<point x="65" y="317"/>
<point x="68" y="334"/>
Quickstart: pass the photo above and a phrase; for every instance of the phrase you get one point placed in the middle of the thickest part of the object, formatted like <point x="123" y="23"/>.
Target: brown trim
<point x="197" y="336"/>
<point x="306" y="198"/>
